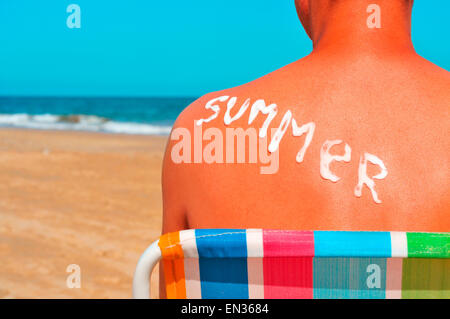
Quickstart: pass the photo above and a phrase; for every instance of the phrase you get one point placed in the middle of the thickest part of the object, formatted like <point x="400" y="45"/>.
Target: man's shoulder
<point x="434" y="87"/>
<point x="433" y="74"/>
<point x="196" y="110"/>
<point x="267" y="86"/>
<point x="212" y="104"/>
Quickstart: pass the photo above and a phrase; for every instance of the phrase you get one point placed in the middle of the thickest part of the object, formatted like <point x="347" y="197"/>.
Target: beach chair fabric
<point x="257" y="263"/>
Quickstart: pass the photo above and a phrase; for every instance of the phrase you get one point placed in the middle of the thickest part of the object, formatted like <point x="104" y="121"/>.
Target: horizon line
<point x="100" y="96"/>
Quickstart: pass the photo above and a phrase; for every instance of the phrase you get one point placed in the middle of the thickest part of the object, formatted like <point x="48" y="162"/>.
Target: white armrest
<point x="144" y="268"/>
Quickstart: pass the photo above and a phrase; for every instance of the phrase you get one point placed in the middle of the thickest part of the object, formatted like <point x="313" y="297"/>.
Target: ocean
<point x="146" y="115"/>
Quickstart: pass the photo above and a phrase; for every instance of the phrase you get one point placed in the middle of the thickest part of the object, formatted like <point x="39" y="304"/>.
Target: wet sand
<point x="89" y="199"/>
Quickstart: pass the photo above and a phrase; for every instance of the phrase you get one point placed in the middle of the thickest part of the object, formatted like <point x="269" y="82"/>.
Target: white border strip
<point x="189" y="243"/>
<point x="399" y="244"/>
<point x="394" y="276"/>
<point x="255" y="254"/>
<point x="191" y="264"/>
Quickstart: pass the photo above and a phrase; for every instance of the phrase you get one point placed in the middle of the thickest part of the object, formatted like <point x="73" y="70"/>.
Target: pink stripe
<point x="288" y="264"/>
<point x="282" y="243"/>
<point x="394" y="278"/>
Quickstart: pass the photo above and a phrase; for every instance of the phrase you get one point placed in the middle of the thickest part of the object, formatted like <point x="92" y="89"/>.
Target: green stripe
<point x="428" y="245"/>
<point x="426" y="278"/>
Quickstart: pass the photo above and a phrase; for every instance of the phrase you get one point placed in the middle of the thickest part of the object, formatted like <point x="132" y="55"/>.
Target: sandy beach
<point x="89" y="199"/>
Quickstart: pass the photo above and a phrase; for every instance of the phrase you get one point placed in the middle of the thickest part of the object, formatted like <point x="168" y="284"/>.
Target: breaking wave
<point x="90" y="123"/>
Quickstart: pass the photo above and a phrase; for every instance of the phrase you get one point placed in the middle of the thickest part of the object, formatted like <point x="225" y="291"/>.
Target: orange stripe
<point x="173" y="263"/>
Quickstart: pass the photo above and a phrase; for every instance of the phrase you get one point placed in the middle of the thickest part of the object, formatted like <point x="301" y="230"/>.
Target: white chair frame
<point x="144" y="268"/>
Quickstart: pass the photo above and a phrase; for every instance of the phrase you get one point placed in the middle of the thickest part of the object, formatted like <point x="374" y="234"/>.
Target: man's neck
<point x="342" y="27"/>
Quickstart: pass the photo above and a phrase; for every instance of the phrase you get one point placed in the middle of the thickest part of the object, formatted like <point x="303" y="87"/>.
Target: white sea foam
<point x="80" y="123"/>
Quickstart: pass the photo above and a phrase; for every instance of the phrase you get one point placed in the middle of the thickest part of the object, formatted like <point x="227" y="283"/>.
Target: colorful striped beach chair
<point x="257" y="263"/>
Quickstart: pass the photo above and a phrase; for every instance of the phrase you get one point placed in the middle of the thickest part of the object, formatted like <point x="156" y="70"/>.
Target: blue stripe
<point x="223" y="263"/>
<point x="349" y="278"/>
<point x="352" y="244"/>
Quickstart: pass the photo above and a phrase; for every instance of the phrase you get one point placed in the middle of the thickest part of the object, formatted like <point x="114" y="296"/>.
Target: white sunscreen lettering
<point x="275" y="142"/>
<point x="270" y="111"/>
<point x="227" y="119"/>
<point x="326" y="158"/>
<point x="364" y="179"/>
<point x="214" y="107"/>
<point x="259" y="106"/>
<point x="299" y="131"/>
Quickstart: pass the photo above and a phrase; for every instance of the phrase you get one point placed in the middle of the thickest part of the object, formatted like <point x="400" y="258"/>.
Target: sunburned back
<point x="370" y="151"/>
<point x="357" y="133"/>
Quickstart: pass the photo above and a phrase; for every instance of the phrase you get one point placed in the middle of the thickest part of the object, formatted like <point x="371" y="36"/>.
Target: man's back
<point x="363" y="137"/>
<point x="395" y="110"/>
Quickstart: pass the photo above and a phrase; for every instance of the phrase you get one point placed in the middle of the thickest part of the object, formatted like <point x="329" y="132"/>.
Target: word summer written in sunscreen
<point x="270" y="111"/>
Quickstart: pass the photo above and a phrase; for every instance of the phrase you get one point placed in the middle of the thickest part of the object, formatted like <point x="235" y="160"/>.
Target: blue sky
<point x="166" y="48"/>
